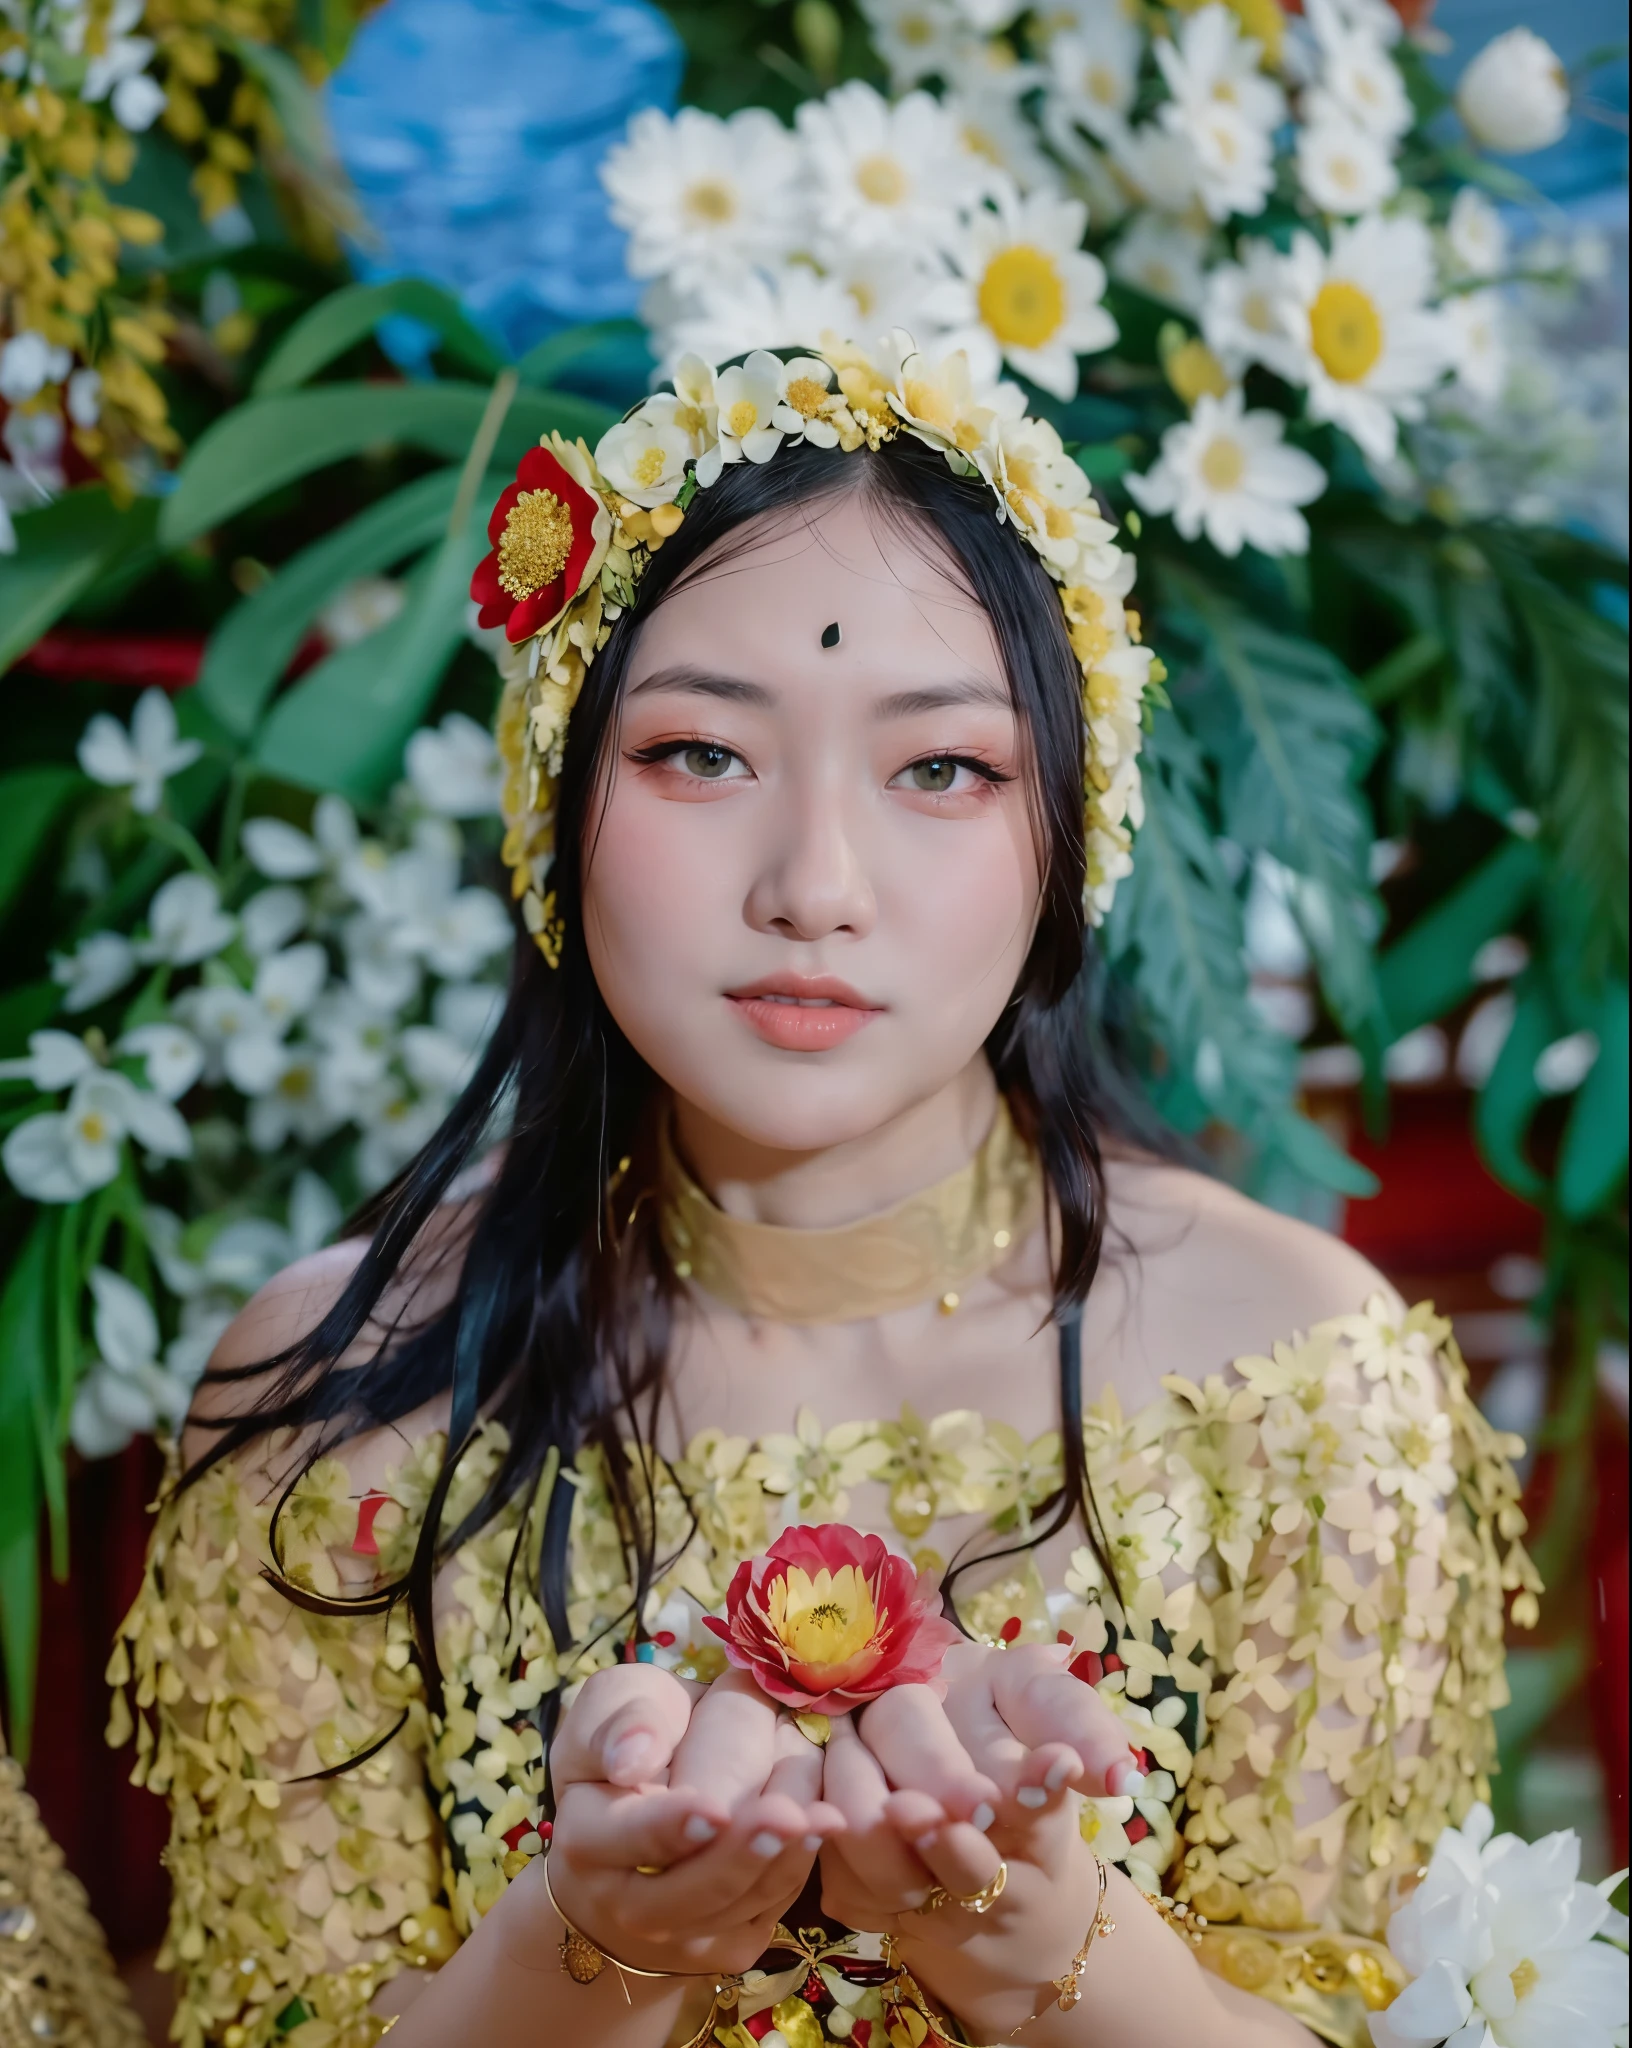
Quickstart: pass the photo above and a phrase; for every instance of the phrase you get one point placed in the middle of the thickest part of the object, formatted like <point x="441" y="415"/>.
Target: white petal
<point x="127" y="1332"/>
<point x="95" y="1433"/>
<point x="271" y="918"/>
<point x="280" y="850"/>
<point x="58" y="1059"/>
<point x="158" y="1126"/>
<point x="105" y="753"/>
<point x="38" y="1162"/>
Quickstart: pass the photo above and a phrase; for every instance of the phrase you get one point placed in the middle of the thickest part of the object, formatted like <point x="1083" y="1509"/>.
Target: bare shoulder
<point x="1197" y="1275"/>
<point x="288" y="1309"/>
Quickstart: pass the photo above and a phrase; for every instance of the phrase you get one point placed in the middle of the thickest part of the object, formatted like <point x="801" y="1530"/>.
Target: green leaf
<point x="1175" y="932"/>
<point x="340" y="321"/>
<point x="26" y="1386"/>
<point x="1510" y="1097"/>
<point x="28" y="1007"/>
<point x="344" y="726"/>
<point x="267" y="442"/>
<point x="31" y="801"/>
<point x="1307" y="1148"/>
<point x="307" y="147"/>
<point x="251" y="648"/>
<point x="1593" y="1158"/>
<point x="1430" y="969"/>
<point x="1293" y="738"/>
<point x="61" y="551"/>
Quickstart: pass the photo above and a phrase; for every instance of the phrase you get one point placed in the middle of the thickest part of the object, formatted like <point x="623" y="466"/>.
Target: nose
<point x="812" y="881"/>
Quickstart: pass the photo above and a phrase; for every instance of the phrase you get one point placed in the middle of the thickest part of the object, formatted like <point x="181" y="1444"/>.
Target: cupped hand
<point x="687" y="1818"/>
<point x="941" y="1793"/>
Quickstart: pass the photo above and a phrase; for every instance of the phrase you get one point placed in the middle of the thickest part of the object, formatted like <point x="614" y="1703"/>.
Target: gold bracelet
<point x="583" y="1961"/>
<point x="1066" y="1986"/>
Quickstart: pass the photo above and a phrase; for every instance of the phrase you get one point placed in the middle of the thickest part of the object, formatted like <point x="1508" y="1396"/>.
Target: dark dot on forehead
<point x="830" y="635"/>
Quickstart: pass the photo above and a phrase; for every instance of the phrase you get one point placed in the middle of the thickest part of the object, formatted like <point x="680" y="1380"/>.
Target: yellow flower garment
<point x="1314" y="1551"/>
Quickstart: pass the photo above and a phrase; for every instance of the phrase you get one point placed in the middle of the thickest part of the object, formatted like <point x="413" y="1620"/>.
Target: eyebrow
<point x="700" y="682"/>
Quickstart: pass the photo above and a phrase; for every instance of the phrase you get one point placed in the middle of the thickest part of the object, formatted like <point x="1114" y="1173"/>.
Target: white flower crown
<point x="573" y="534"/>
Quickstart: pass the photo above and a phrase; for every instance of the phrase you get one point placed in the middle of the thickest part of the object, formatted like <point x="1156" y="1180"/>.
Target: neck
<point x="831" y="1185"/>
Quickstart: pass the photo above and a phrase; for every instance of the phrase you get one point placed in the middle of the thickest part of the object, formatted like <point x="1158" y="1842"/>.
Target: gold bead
<point x="1000" y="1238"/>
<point x="949" y="1302"/>
<point x="682" y="1269"/>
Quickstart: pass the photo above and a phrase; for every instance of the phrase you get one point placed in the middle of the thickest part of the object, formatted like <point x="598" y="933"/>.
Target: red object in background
<point x="1438" y="1208"/>
<point x="111" y="1832"/>
<point x="80" y="654"/>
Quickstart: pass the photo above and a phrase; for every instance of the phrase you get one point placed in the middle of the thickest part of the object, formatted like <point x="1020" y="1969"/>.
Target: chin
<point x="798" y="1102"/>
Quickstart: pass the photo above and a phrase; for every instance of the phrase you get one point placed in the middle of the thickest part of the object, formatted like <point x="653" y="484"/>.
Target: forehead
<point x="765" y="594"/>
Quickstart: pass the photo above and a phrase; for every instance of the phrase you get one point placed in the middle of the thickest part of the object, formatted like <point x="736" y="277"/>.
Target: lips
<point x="803" y="1013"/>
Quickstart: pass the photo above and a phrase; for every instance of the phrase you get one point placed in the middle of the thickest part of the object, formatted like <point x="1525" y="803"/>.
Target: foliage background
<point x="1453" y="688"/>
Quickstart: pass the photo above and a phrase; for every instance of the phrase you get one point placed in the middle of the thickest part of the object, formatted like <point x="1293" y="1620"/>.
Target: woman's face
<point x="815" y="881"/>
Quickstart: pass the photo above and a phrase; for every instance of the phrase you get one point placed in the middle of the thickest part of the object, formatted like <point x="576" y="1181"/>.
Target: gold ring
<point x="971" y="1902"/>
<point x="651" y="1869"/>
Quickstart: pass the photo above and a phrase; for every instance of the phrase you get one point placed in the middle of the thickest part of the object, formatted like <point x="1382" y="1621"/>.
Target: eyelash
<point x="666" y="750"/>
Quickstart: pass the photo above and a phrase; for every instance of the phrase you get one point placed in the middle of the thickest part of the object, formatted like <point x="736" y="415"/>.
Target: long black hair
<point x="558" y="1321"/>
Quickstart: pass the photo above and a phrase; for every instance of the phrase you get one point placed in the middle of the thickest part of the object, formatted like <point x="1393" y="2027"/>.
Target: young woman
<point x="793" y="1188"/>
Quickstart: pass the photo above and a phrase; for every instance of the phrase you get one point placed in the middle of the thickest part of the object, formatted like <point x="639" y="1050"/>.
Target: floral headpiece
<point x="573" y="534"/>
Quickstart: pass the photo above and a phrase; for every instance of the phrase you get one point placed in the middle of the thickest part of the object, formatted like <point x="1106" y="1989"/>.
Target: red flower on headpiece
<point x="543" y="535"/>
<point x="827" y="1619"/>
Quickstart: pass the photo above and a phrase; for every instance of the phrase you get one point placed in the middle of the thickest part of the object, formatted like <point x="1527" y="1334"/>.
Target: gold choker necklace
<point x="924" y="1249"/>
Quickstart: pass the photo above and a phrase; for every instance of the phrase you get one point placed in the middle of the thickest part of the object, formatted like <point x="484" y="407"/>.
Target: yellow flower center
<point x="1159" y="277"/>
<point x="1258" y="313"/>
<point x="1022" y="296"/>
<point x="1346" y="330"/>
<point x="1192" y="369"/>
<point x="1345" y="172"/>
<point x="979" y="143"/>
<point x="1222" y="464"/>
<point x="1525" y="1979"/>
<point x="296" y="1084"/>
<point x="825" y="1620"/>
<point x="710" y="202"/>
<point x="535" y="543"/>
<point x="806" y="396"/>
<point x="690" y="419"/>
<point x="862" y="296"/>
<point x="91" y="1128"/>
<point x="881" y="180"/>
<point x="649" y="468"/>
<point x="917" y="31"/>
<point x="743" y="417"/>
<point x="1103" y="84"/>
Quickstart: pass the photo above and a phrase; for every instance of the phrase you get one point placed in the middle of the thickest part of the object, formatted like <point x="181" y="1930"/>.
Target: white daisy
<point x="1241" y="311"/>
<point x="1160" y="166"/>
<point x="1342" y="168"/>
<point x="1478" y="342"/>
<point x="1475" y="235"/>
<point x="917" y="39"/>
<point x="997" y="133"/>
<point x="885" y="176"/>
<point x="1093" y="75"/>
<point x="1025" y="292"/>
<point x="1211" y="60"/>
<point x="1234" y="161"/>
<point x="703" y="198"/>
<point x="749" y="395"/>
<point x="1359" y="73"/>
<point x="1369" y="345"/>
<point x="1226" y="472"/>
<point x="776" y="309"/>
<point x="1164" y="258"/>
<point x="886" y="288"/>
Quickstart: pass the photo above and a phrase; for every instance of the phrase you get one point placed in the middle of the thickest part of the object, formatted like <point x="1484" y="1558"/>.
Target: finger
<point x="729" y="1747"/>
<point x="796" y="1773"/>
<point x="1041" y="1706"/>
<point x="918" y="1748"/>
<point x="958" y="1857"/>
<point x="873" y="1852"/>
<point x="618" y="1830"/>
<point x="758" y="1863"/>
<point x="623" y="1728"/>
<point x="1033" y="1778"/>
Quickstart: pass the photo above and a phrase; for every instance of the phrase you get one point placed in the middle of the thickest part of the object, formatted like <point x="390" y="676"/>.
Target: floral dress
<point x="1315" y="1552"/>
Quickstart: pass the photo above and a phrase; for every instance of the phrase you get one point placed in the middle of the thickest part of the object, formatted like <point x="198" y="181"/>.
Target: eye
<point x="937" y="775"/>
<point x="947" y="775"/>
<point x="705" y="760"/>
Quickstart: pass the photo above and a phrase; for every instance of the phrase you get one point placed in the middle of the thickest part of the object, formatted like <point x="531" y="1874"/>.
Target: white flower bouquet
<point x="1507" y="1948"/>
<point x="280" y="1033"/>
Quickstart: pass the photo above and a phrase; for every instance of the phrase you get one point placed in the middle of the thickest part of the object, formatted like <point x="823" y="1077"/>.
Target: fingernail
<point x="1125" y="1781"/>
<point x="913" y="1900"/>
<point x="766" y="1844"/>
<point x="982" y="1817"/>
<point x="630" y="1753"/>
<point x="925" y="1843"/>
<point x="1060" y="1773"/>
<point x="810" y="1844"/>
<point x="699" y="1829"/>
<point x="1032" y="1795"/>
